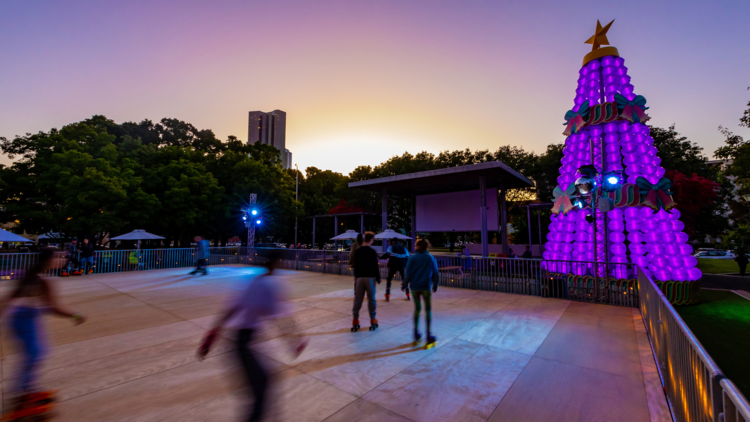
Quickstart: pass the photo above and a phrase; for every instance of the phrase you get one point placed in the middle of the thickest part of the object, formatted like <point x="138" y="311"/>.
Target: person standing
<point x="742" y="261"/>
<point x="29" y="300"/>
<point x="71" y="250"/>
<point x="396" y="265"/>
<point x="87" y="257"/>
<point x="422" y="276"/>
<point x="262" y="299"/>
<point x="366" y="274"/>
<point x="201" y="255"/>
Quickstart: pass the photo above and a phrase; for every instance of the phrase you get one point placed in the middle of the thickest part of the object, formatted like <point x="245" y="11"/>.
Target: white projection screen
<point x="459" y="211"/>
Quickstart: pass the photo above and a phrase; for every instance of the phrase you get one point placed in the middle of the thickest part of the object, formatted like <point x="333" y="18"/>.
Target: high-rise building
<point x="270" y="129"/>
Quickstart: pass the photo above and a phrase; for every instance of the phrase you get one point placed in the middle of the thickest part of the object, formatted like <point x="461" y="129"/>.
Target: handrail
<point x="695" y="387"/>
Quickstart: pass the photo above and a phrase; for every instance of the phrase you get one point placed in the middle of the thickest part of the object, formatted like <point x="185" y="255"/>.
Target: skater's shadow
<point x="316" y="365"/>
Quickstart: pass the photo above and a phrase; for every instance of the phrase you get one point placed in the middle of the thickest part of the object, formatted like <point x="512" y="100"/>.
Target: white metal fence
<point x="16" y="265"/>
<point x="566" y="280"/>
<point x="695" y="386"/>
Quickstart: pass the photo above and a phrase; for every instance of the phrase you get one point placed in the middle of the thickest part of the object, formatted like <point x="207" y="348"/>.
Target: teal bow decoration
<point x="562" y="199"/>
<point x="575" y="120"/>
<point x="656" y="196"/>
<point x="632" y="111"/>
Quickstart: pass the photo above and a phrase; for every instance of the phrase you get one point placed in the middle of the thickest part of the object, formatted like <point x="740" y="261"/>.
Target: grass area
<point x="722" y="323"/>
<point x="717" y="266"/>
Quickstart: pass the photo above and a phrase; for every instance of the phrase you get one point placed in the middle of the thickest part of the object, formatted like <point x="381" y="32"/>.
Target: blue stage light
<point x="612" y="180"/>
<point x="257" y="222"/>
<point x="254" y="212"/>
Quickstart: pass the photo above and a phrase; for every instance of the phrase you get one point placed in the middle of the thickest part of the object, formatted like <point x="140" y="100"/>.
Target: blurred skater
<point x="398" y="255"/>
<point x="262" y="299"/>
<point x="366" y="273"/>
<point x="422" y="276"/>
<point x="201" y="255"/>
<point x="32" y="297"/>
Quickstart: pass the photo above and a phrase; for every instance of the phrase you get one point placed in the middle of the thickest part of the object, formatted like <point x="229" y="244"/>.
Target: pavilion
<point x="474" y="177"/>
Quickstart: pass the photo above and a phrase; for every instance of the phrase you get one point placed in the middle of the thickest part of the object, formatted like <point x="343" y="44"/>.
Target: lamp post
<point x="746" y="197"/>
<point x="296" y="198"/>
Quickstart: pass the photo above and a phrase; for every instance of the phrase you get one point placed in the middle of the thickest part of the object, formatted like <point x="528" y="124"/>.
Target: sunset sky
<point x="362" y="81"/>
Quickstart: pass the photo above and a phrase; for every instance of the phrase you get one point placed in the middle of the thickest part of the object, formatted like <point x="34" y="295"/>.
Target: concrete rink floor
<point x="500" y="357"/>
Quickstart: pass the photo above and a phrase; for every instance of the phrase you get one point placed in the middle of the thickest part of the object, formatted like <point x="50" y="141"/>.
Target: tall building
<point x="270" y="129"/>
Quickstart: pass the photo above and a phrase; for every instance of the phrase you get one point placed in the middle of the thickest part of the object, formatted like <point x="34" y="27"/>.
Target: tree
<point x="680" y="154"/>
<point x="737" y="153"/>
<point x="695" y="197"/>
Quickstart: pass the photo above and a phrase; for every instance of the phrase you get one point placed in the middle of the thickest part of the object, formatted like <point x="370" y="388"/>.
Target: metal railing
<point x="566" y="280"/>
<point x="16" y="265"/>
<point x="695" y="387"/>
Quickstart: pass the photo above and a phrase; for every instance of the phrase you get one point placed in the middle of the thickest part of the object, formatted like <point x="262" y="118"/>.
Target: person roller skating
<point x="423" y="277"/>
<point x="32" y="297"/>
<point x="261" y="300"/>
<point x="366" y="274"/>
<point x="397" y="258"/>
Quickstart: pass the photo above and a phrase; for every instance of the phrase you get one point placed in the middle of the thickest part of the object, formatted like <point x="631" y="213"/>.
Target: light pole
<point x="747" y="199"/>
<point x="296" y="198"/>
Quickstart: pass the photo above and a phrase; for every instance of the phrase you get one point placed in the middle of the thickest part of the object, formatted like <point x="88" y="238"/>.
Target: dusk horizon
<point x="362" y="83"/>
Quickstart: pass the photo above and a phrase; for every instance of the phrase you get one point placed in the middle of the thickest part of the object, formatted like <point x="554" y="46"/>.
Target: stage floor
<point x="500" y="357"/>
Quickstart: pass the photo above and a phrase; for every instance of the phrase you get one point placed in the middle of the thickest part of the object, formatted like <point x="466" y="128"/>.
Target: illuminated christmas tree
<point x="613" y="204"/>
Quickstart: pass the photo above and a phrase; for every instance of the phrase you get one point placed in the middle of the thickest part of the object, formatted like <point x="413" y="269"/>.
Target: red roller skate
<point x="373" y="324"/>
<point x="355" y="325"/>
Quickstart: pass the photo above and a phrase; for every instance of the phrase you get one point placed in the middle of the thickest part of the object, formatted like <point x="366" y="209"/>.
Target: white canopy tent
<point x="348" y="235"/>
<point x="391" y="234"/>
<point x="6" y="236"/>
<point x="137" y="235"/>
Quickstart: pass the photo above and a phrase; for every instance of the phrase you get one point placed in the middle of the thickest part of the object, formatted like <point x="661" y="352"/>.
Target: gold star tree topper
<point x="599" y="39"/>
<point x="600" y="36"/>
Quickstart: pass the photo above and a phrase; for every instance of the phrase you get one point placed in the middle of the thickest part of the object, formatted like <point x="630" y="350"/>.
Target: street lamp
<point x="296" y="198"/>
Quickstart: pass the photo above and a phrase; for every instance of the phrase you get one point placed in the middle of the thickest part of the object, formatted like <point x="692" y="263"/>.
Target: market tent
<point x="391" y="234"/>
<point x="137" y="235"/>
<point x="348" y="235"/>
<point x="6" y="236"/>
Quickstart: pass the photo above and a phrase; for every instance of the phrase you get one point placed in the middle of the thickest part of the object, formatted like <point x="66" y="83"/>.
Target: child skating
<point x="32" y="297"/>
<point x="366" y="274"/>
<point x="422" y="277"/>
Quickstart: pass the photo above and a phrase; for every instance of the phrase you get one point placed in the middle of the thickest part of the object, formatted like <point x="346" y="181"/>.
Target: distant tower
<point x="270" y="129"/>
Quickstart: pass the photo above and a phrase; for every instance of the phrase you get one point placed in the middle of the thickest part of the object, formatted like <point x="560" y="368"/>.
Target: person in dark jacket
<point x="398" y="255"/>
<point x="423" y="276"/>
<point x="87" y="257"/>
<point x="741" y="260"/>
<point x="526" y="253"/>
<point x="72" y="257"/>
<point x="366" y="273"/>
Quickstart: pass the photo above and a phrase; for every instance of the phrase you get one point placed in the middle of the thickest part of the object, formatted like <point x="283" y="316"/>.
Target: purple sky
<point x="362" y="81"/>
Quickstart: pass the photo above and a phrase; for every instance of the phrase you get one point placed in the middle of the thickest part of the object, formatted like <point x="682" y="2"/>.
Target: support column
<point x="362" y="223"/>
<point x="384" y="215"/>
<point x="528" y="222"/>
<point x="483" y="214"/>
<point x="539" y="221"/>
<point x="413" y="222"/>
<point x="335" y="231"/>
<point x="504" y="219"/>
<point x="313" y="242"/>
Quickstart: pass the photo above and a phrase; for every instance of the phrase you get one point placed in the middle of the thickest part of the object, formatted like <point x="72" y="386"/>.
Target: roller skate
<point x="76" y="273"/>
<point x="430" y="342"/>
<point x="417" y="339"/>
<point x="373" y="324"/>
<point x="408" y="296"/>
<point x="65" y="274"/>
<point x="35" y="407"/>
<point x="355" y="325"/>
<point x="91" y="271"/>
<point x="387" y="297"/>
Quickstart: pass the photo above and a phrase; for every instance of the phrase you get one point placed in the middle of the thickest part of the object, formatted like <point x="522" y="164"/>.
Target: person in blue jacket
<point x="422" y="277"/>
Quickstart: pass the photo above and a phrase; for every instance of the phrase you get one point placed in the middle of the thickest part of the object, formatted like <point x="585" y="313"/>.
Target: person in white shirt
<point x="261" y="300"/>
